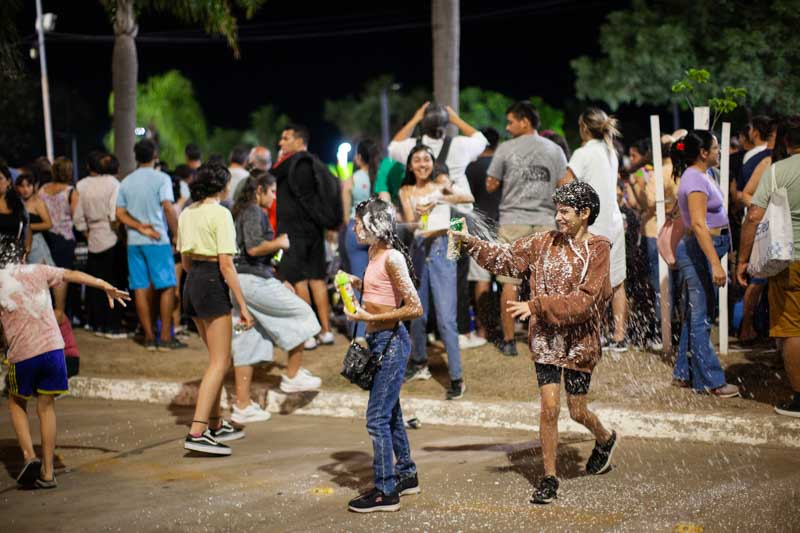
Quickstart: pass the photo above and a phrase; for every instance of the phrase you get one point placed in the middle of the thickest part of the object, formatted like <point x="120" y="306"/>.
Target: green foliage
<point x="166" y="106"/>
<point x="482" y="108"/>
<point x="697" y="82"/>
<point x="645" y="48"/>
<point x="360" y="116"/>
<point x="266" y="125"/>
<point x="218" y="17"/>
<point x="551" y="118"/>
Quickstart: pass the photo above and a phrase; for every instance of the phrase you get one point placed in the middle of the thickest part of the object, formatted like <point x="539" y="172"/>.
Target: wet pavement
<point x="122" y="468"/>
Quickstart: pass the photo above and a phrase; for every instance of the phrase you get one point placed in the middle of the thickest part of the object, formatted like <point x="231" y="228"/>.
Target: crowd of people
<point x="246" y="248"/>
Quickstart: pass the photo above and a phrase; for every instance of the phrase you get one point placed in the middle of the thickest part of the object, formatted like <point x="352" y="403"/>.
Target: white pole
<point x="48" y="128"/>
<point x="724" y="183"/>
<point x="661" y="217"/>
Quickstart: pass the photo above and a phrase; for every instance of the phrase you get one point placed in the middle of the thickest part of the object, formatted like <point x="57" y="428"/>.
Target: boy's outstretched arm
<point x="113" y="293"/>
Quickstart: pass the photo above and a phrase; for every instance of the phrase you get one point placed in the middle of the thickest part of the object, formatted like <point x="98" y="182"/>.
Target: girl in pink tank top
<point x="389" y="297"/>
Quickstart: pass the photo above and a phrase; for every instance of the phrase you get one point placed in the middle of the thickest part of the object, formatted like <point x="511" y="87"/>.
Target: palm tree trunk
<point x="446" y="22"/>
<point x="124" y="70"/>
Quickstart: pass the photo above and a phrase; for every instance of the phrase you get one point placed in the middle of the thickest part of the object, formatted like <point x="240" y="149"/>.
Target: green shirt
<point x="390" y="176"/>
<point x="787" y="174"/>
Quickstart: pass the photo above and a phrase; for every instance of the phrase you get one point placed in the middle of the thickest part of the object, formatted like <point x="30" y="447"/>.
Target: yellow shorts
<point x="784" y="302"/>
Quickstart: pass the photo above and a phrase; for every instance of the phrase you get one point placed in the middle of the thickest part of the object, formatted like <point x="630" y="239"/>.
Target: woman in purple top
<point x="698" y="257"/>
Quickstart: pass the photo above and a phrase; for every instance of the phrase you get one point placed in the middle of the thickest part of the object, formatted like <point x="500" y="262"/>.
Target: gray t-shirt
<point x="529" y="167"/>
<point x="253" y="228"/>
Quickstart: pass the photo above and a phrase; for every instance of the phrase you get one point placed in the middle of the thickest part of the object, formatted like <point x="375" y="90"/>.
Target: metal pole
<point x="661" y="217"/>
<point x="724" y="183"/>
<point x="48" y="128"/>
<point x="384" y="118"/>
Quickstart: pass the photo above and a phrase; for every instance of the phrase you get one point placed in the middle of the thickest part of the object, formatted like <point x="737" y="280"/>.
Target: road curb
<point x="748" y="429"/>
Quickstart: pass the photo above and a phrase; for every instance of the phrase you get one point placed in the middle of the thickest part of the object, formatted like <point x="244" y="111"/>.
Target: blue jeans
<point x="437" y="278"/>
<point x="384" y="417"/>
<point x="699" y="303"/>
<point x="358" y="257"/>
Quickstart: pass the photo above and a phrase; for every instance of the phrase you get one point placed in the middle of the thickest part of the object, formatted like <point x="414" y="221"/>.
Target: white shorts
<point x="282" y="319"/>
<point x="617" y="263"/>
<point x="477" y="272"/>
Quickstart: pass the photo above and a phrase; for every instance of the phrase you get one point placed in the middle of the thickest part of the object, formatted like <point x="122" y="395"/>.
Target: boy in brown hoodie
<point x="568" y="270"/>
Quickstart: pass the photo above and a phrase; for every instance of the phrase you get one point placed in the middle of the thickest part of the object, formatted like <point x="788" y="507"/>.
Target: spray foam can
<point x="346" y="291"/>
<point x="453" y="245"/>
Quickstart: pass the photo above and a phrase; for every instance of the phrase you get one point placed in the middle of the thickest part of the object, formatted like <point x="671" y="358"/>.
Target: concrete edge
<point x="756" y="429"/>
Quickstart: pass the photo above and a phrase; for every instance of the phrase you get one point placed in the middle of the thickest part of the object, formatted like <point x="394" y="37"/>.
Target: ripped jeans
<point x="384" y="417"/>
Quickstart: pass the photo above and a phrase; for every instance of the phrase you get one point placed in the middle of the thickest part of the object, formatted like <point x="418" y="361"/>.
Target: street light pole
<point x="48" y="127"/>
<point x="384" y="99"/>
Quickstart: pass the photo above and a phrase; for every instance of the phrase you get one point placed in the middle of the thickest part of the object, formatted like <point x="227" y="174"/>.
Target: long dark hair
<point x="370" y="153"/>
<point x="378" y="219"/>
<point x="685" y="151"/>
<point x="410" y="179"/>
<point x="13" y="200"/>
<point x="247" y="195"/>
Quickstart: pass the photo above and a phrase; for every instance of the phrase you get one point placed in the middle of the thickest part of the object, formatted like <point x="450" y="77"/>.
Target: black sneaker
<point x="30" y="472"/>
<point x="408" y="485"/>
<point x="509" y="348"/>
<point x="547" y="491"/>
<point x="600" y="460"/>
<point x="417" y="371"/>
<point x="172" y="344"/>
<point x="374" y="501"/>
<point x="789" y="409"/>
<point x="226" y="432"/>
<point x="456" y="390"/>
<point x="46" y="483"/>
<point x="205" y="443"/>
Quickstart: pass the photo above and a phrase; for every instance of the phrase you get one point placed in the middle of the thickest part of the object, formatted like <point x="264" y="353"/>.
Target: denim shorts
<point x="205" y="293"/>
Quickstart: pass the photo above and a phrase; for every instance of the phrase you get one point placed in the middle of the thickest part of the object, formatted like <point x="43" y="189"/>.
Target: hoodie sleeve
<point x="511" y="260"/>
<point x="589" y="298"/>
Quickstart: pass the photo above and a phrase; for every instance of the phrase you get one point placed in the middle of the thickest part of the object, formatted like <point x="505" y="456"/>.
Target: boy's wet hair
<point x="579" y="196"/>
<point x="12" y="251"/>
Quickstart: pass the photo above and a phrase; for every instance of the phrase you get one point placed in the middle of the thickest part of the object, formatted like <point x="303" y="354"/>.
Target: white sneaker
<point x="304" y="381"/>
<point x="469" y="341"/>
<point x="251" y="413"/>
<point x="327" y="338"/>
<point x="311" y="344"/>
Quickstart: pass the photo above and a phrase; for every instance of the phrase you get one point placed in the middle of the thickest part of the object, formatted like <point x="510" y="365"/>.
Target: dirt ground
<point x="634" y="379"/>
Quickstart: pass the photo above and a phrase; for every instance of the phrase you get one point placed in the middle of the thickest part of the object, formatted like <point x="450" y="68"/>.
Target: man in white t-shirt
<point x="464" y="148"/>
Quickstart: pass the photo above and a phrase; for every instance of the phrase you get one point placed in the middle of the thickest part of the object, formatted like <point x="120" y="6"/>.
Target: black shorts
<point x="575" y="381"/>
<point x="305" y="259"/>
<point x="205" y="293"/>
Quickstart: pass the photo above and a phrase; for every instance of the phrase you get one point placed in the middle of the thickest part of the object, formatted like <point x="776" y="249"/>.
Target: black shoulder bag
<point x="360" y="364"/>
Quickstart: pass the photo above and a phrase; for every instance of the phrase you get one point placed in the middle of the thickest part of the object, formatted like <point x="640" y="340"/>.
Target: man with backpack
<point x="456" y="153"/>
<point x="309" y="203"/>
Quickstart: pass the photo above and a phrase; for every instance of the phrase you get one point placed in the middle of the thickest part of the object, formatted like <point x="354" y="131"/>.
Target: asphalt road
<point x="122" y="468"/>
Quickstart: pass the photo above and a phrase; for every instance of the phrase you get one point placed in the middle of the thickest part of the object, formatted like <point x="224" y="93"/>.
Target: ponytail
<point x="600" y="126"/>
<point x="685" y="151"/>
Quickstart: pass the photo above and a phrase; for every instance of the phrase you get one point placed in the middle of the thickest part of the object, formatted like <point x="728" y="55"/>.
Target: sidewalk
<point x="632" y="392"/>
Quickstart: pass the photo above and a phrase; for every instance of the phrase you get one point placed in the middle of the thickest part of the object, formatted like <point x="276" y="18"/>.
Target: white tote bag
<point x="774" y="243"/>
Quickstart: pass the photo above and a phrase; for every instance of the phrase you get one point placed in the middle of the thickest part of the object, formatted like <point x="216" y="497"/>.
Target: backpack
<point x="444" y="152"/>
<point x="324" y="206"/>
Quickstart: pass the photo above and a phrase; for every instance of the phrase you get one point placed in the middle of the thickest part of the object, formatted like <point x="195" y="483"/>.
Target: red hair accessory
<point x="680" y="147"/>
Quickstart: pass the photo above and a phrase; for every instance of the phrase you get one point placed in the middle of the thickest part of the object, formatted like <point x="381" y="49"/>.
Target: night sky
<point x="517" y="48"/>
